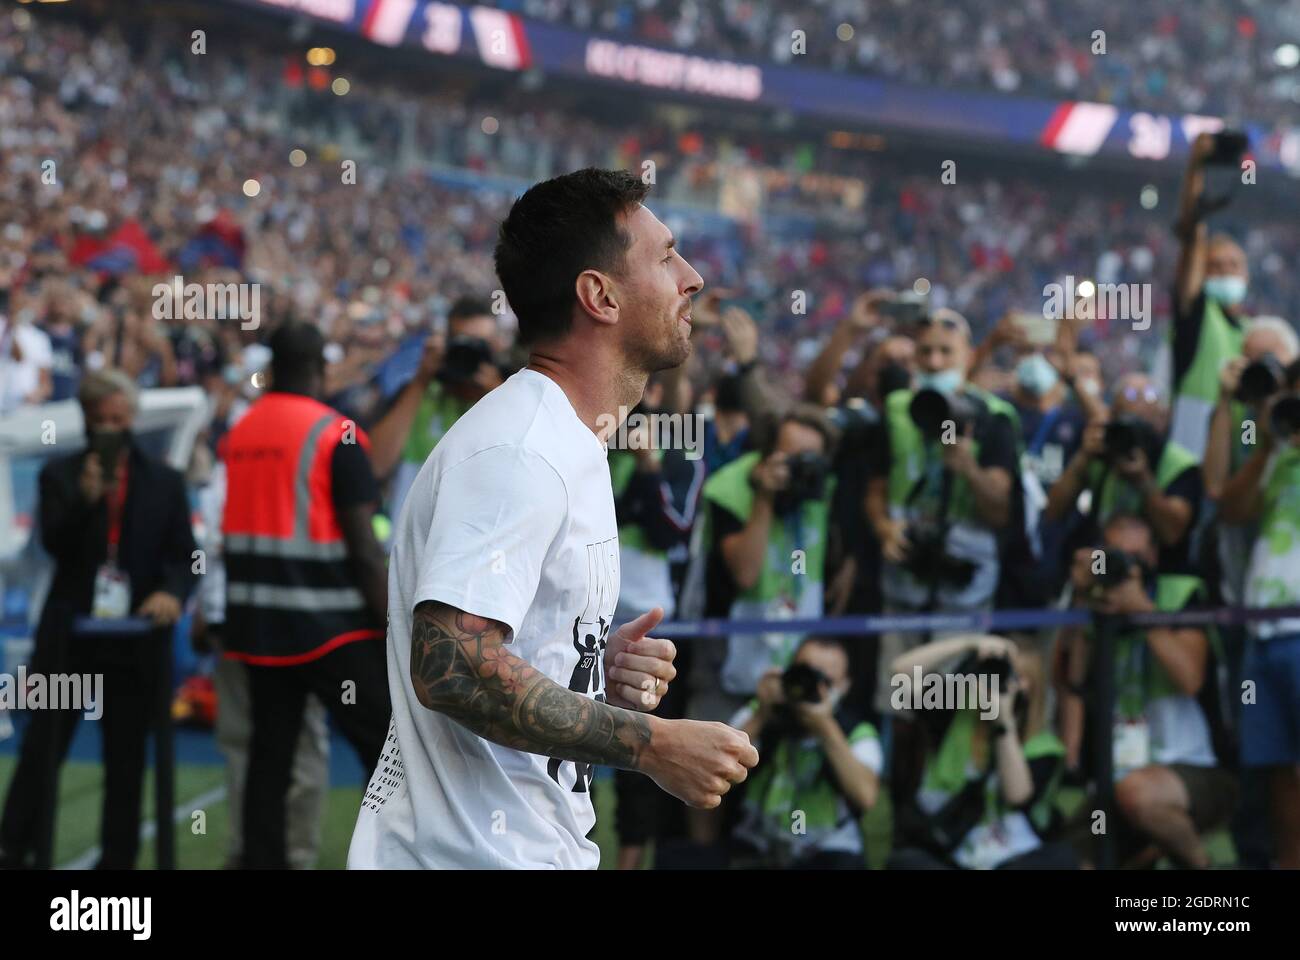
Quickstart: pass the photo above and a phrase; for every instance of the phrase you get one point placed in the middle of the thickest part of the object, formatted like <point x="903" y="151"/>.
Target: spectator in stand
<point x="25" y="355"/>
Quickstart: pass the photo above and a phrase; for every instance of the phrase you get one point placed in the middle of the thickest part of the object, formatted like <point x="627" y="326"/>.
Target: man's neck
<point x="600" y="392"/>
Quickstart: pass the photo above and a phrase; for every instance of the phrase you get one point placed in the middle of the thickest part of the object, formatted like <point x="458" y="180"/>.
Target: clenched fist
<point x="698" y="762"/>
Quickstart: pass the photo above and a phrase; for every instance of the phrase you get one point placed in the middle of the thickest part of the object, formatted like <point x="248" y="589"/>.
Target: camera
<point x="807" y="480"/>
<point x="802" y="684"/>
<point x="926" y="559"/>
<point x="1285" y="417"/>
<point x="905" y="310"/>
<point x="995" y="666"/>
<point x="1116" y="566"/>
<point x="1261" y="379"/>
<point x="1228" y="149"/>
<point x="1126" y="434"/>
<point x="463" y="357"/>
<point x="930" y="410"/>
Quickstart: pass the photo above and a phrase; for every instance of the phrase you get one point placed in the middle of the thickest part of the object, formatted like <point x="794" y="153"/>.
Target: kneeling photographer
<point x="1126" y="465"/>
<point x="1169" y="787"/>
<point x="1265" y="492"/>
<point x="819" y="765"/>
<point x="987" y="794"/>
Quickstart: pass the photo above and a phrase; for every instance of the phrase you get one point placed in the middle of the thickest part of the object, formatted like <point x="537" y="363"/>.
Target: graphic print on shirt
<point x="590" y="635"/>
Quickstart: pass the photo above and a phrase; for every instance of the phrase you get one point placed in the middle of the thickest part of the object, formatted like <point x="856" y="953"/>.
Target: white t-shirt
<point x="20" y="378"/>
<point x="510" y="518"/>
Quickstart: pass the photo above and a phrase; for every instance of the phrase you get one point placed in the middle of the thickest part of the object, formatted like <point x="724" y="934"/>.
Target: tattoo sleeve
<point x="461" y="667"/>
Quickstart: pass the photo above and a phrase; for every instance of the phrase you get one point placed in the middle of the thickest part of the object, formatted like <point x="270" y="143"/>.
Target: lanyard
<point x="116" y="508"/>
<point x="1045" y="424"/>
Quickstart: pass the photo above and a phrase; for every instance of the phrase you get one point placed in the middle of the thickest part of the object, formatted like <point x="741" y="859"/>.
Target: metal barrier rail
<point x="1106" y="627"/>
<point x="976" y="621"/>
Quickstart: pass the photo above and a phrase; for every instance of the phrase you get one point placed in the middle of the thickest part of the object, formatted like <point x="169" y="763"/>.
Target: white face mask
<point x="1228" y="290"/>
<point x="945" y="381"/>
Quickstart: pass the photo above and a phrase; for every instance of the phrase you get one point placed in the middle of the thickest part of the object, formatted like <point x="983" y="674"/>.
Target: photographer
<point x="1126" y="466"/>
<point x="1248" y="384"/>
<point x="656" y="493"/>
<point x="942" y="488"/>
<point x="819" y="764"/>
<point x="454" y="374"/>
<point x="988" y="789"/>
<point x="1209" y="287"/>
<point x="768" y="537"/>
<point x="1263" y="492"/>
<point x="1168" y="786"/>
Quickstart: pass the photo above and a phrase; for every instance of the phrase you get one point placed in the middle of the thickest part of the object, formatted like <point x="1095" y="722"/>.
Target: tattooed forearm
<point x="460" y="667"/>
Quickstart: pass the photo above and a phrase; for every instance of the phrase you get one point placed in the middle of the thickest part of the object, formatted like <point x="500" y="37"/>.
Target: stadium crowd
<point x="813" y="442"/>
<point x="1203" y="57"/>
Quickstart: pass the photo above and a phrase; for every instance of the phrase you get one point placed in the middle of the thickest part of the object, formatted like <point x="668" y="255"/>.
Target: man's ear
<point x="596" y="296"/>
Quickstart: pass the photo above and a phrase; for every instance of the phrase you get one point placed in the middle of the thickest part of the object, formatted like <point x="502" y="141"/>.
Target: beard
<point x="663" y="353"/>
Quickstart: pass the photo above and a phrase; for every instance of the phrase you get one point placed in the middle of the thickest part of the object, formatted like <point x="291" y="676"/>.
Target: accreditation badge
<point x="1132" y="746"/>
<point x="112" y="593"/>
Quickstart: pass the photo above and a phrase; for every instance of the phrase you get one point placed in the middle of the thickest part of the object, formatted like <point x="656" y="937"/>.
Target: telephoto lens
<point x="802" y="683"/>
<point x="1285" y="418"/>
<point x="1126" y="434"/>
<point x="932" y="410"/>
<point x="1115" y="568"/>
<point x="1261" y="379"/>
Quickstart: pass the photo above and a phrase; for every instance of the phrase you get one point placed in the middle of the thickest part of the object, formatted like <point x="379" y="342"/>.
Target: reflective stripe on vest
<point x="290" y="592"/>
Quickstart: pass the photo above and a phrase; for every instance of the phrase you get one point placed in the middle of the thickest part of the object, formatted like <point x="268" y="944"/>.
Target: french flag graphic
<point x="386" y="21"/>
<point x="501" y="39"/>
<point x="1079" y="127"/>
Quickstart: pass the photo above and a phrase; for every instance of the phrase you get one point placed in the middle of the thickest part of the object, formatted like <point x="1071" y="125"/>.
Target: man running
<point x="508" y="687"/>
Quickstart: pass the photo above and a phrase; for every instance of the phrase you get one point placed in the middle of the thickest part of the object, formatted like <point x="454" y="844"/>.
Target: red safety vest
<point x="291" y="595"/>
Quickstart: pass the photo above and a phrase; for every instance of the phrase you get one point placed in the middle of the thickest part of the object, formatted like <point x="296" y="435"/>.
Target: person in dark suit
<point x="116" y="524"/>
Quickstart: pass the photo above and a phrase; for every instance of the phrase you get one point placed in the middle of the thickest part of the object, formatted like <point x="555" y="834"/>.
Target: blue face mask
<point x="945" y="381"/>
<point x="1228" y="290"/>
<point x="1036" y="374"/>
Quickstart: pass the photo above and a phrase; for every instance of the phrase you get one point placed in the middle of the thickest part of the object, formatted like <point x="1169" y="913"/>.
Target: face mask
<point x="107" y="444"/>
<point x="1228" y="291"/>
<point x="1036" y="374"/>
<point x="892" y="376"/>
<point x="945" y="381"/>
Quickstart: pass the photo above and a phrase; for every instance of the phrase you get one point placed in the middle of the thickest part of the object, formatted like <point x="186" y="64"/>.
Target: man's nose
<point x="695" y="283"/>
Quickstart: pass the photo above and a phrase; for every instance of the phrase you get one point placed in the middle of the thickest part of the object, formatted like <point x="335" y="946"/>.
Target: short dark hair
<point x="464" y="307"/>
<point x="556" y="230"/>
<point x="830" y="641"/>
<point x="804" y="414"/>
<point x="297" y="350"/>
<point x="1117" y="521"/>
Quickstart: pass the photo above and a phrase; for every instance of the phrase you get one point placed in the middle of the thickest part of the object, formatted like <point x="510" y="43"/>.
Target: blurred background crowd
<point x="848" y="286"/>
